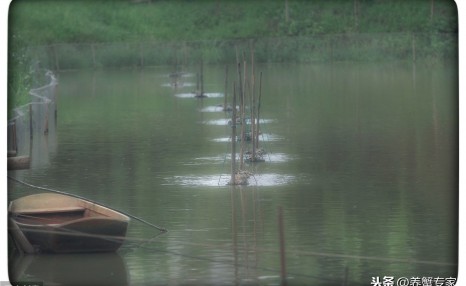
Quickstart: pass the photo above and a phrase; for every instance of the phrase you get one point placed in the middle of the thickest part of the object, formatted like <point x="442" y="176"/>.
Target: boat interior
<point x="51" y="217"/>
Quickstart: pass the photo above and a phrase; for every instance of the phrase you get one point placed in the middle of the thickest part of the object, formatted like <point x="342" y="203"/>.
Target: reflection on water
<point x="226" y="121"/>
<point x="178" y="84"/>
<point x="193" y="95"/>
<point x="70" y="269"/>
<point x="361" y="159"/>
<point x="262" y="137"/>
<point x="217" y="108"/>
<point x="225" y="158"/>
<point x="223" y="179"/>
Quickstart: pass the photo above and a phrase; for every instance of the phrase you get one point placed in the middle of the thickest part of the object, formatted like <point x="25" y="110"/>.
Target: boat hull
<point x="53" y="223"/>
<point x="84" y="235"/>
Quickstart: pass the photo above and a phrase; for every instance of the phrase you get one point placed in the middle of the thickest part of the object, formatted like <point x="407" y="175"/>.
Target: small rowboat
<point x="55" y="223"/>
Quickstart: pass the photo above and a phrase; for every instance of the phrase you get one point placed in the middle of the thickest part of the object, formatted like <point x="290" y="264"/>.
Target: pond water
<point x="362" y="159"/>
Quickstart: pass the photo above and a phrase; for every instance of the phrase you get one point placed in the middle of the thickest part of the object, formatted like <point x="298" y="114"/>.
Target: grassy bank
<point x="76" y="34"/>
<point x="39" y="22"/>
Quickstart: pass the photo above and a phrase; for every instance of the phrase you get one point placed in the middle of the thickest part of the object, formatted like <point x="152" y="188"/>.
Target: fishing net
<point x="35" y="121"/>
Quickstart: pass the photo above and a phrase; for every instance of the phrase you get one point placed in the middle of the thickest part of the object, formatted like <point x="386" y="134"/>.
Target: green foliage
<point x="19" y="75"/>
<point x="76" y="34"/>
<point x="57" y="21"/>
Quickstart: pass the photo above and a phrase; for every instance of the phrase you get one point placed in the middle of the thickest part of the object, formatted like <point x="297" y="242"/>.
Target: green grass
<point x="76" y="34"/>
<point x="41" y="22"/>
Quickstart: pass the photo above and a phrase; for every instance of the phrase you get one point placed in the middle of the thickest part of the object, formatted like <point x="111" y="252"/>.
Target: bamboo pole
<point x="258" y="109"/>
<point x="30" y="130"/>
<point x="57" y="64"/>
<point x="287" y="15"/>
<point x="226" y="89"/>
<point x="281" y="234"/>
<point x="141" y="55"/>
<point x="197" y="84"/>
<point x="14" y="139"/>
<point x="202" y="79"/>
<point x="240" y="93"/>
<point x="93" y="56"/>
<point x="345" y="276"/>
<point x="253" y="108"/>
<point x="233" y="138"/>
<point x="243" y="119"/>
<point x="432" y="9"/>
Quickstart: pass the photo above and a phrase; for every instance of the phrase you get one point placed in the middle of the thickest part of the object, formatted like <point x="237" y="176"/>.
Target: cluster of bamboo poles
<point x="245" y="89"/>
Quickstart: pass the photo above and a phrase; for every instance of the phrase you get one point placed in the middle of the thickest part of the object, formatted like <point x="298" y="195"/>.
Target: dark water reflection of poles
<point x="245" y="263"/>
<point x="234" y="236"/>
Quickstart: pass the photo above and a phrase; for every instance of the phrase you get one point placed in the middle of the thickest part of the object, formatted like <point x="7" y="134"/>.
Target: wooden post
<point x="281" y="233"/>
<point x="413" y="44"/>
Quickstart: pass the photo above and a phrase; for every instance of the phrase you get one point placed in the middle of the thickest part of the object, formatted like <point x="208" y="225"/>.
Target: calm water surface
<point x="362" y="159"/>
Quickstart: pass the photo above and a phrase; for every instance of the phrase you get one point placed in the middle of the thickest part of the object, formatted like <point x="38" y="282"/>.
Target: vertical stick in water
<point x="253" y="109"/>
<point x="15" y="142"/>
<point x="202" y="79"/>
<point x="30" y="130"/>
<point x="240" y="93"/>
<point x="281" y="233"/>
<point x="226" y="89"/>
<point x="243" y="117"/>
<point x="198" y="88"/>
<point x="258" y="109"/>
<point x="233" y="137"/>
<point x="345" y="277"/>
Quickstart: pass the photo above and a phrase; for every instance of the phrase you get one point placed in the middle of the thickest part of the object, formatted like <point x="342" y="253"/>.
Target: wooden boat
<point x="19" y="163"/>
<point x="56" y="223"/>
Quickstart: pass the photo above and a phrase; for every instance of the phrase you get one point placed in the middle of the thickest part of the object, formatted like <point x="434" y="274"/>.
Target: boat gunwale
<point x="78" y="204"/>
<point x="67" y="223"/>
